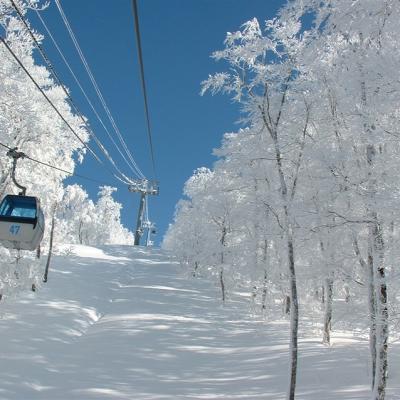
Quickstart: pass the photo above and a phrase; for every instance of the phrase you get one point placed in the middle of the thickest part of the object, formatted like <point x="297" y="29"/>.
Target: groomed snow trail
<point x="123" y="323"/>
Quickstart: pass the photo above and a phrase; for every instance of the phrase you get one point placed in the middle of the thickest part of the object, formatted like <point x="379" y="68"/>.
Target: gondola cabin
<point x="21" y="222"/>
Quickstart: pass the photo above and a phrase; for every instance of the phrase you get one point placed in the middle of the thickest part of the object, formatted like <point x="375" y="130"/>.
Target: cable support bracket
<point x="16" y="155"/>
<point x="144" y="186"/>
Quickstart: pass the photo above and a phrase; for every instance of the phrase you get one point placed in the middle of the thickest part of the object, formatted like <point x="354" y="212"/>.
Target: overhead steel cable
<point x="143" y="81"/>
<point x="56" y="168"/>
<point x="56" y="109"/>
<point x="57" y="78"/>
<point x="47" y="98"/>
<point x="84" y="92"/>
<point x="96" y="87"/>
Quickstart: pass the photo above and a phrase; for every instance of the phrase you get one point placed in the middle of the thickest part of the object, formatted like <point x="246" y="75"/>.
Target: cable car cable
<point x="56" y="168"/>
<point x="143" y="81"/>
<point x="47" y="98"/>
<point x="72" y="103"/>
<point x="57" y="111"/>
<point x="84" y="92"/>
<point x="95" y="85"/>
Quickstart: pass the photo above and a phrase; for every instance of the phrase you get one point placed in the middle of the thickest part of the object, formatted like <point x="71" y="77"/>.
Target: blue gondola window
<point x="18" y="207"/>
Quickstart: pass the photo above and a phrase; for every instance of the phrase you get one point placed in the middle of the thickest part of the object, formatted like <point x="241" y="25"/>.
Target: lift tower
<point x="145" y="188"/>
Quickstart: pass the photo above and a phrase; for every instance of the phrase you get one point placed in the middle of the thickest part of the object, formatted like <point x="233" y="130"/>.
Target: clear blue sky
<point x="178" y="37"/>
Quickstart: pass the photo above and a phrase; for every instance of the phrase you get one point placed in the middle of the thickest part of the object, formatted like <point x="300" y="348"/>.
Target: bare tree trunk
<point x="80" y="236"/>
<point x="264" y="292"/>
<point x="287" y="305"/>
<point x="328" y="310"/>
<point x="327" y="254"/>
<point x="196" y="267"/>
<point x="368" y="267"/>
<point x="221" y="271"/>
<point x="382" y="338"/>
<point x="294" y="317"/>
<point x="222" y="283"/>
<point x="382" y="317"/>
<point x="272" y="124"/>
<point x="372" y="310"/>
<point x="377" y="289"/>
<point x="253" y="294"/>
<point x="265" y="280"/>
<point x="347" y="296"/>
<point x="46" y="273"/>
<point x="294" y="306"/>
<point x="372" y="241"/>
<point x="376" y="268"/>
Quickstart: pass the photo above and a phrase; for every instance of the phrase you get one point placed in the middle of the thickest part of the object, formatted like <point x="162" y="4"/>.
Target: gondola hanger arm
<point x="16" y="155"/>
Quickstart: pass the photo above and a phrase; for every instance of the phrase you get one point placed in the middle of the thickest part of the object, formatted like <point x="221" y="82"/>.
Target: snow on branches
<point x="28" y="122"/>
<point x="302" y="205"/>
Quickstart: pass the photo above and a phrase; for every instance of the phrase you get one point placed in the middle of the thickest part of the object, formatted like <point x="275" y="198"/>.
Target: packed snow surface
<point x="124" y="323"/>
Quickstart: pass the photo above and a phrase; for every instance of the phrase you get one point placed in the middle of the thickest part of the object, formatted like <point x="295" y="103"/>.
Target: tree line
<point x="29" y="123"/>
<point x="302" y="205"/>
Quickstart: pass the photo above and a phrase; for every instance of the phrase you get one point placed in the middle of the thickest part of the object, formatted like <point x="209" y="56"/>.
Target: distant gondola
<point x="21" y="222"/>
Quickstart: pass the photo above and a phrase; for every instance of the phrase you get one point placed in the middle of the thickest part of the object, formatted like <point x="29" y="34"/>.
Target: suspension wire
<point x="54" y="167"/>
<point x="53" y="71"/>
<point x="96" y="87"/>
<point x="48" y="99"/>
<point x="58" y="112"/>
<point x="84" y="94"/>
<point x="143" y="81"/>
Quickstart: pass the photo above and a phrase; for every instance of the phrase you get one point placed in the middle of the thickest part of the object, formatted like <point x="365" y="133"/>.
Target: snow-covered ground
<point x="123" y="323"/>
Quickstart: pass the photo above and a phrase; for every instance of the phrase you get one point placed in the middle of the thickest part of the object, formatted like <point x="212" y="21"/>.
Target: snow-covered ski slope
<point x="123" y="323"/>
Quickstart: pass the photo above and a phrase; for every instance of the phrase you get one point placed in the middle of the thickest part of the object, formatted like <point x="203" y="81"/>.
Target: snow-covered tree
<point x="105" y="225"/>
<point x="30" y="123"/>
<point x="74" y="216"/>
<point x="316" y="202"/>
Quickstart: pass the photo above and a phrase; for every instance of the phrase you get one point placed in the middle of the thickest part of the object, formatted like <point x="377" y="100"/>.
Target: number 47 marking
<point x="14" y="229"/>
